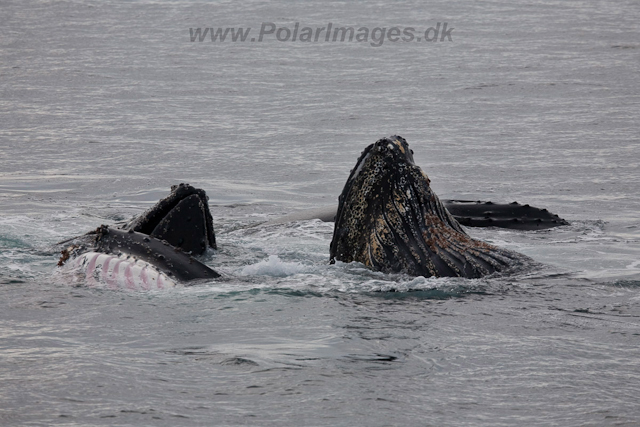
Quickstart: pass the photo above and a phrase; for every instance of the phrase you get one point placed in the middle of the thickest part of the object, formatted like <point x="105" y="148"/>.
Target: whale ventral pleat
<point x="153" y="251"/>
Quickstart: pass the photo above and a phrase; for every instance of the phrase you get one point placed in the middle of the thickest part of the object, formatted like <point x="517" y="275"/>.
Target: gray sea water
<point x="104" y="105"/>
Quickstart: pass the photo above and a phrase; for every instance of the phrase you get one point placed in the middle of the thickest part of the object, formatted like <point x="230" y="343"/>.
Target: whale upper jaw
<point x="389" y="219"/>
<point x="182" y="219"/>
<point x="394" y="146"/>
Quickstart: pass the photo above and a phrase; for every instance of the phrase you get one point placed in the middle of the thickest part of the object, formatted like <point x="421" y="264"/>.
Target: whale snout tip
<point x="396" y="146"/>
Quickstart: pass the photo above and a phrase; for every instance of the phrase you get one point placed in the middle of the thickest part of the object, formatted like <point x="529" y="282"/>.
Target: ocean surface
<point x="104" y="105"/>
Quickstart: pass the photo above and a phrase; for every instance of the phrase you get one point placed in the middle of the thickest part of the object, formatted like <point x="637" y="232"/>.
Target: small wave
<point x="423" y="288"/>
<point x="274" y="266"/>
<point x="626" y="283"/>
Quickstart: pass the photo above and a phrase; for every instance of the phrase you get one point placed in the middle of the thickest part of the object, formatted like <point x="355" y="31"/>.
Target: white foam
<point x="274" y="266"/>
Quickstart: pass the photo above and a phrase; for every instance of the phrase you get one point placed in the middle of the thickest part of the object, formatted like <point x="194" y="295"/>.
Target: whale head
<point x="182" y="219"/>
<point x="389" y="219"/>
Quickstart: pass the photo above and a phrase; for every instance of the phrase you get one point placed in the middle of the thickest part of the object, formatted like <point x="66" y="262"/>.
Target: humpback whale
<point x="154" y="250"/>
<point x="388" y="218"/>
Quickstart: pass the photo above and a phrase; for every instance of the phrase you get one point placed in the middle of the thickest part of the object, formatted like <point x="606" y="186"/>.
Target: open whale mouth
<point x="389" y="219"/>
<point x="154" y="249"/>
<point x="182" y="219"/>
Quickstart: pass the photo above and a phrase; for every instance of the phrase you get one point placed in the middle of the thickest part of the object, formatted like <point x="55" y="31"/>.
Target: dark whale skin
<point x="182" y="218"/>
<point x="168" y="259"/>
<point x="503" y="215"/>
<point x="389" y="219"/>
